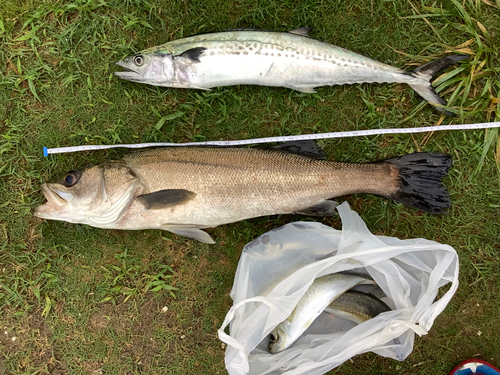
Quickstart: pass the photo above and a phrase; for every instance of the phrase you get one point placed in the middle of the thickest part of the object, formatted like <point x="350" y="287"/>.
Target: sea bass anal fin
<point x="302" y="31"/>
<point x="165" y="198"/>
<point x="323" y="208"/>
<point x="190" y="231"/>
<point x="305" y="148"/>
<point x="193" y="54"/>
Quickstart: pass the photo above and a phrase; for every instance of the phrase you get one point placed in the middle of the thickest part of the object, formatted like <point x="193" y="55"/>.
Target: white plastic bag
<point x="277" y="268"/>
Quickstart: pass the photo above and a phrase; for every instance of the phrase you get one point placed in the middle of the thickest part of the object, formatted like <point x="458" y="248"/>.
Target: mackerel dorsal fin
<point x="165" y="198"/>
<point x="305" y="148"/>
<point x="302" y="31"/>
<point x="193" y="54"/>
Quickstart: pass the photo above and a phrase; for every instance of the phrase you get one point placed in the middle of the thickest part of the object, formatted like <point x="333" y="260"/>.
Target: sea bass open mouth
<point x="54" y="202"/>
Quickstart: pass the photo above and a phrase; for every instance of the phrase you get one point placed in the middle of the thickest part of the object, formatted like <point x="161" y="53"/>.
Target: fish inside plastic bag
<point x="277" y="268"/>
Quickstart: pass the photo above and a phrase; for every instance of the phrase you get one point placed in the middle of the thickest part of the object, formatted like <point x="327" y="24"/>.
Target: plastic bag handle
<point x="396" y="324"/>
<point x="242" y="354"/>
<point x="229" y="317"/>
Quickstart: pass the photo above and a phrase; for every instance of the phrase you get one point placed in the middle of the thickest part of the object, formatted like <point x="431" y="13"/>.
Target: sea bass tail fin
<point x="428" y="71"/>
<point x="420" y="176"/>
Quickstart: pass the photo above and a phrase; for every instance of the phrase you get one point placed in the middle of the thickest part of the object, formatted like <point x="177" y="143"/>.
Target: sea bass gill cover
<point x="184" y="190"/>
<point x="251" y="57"/>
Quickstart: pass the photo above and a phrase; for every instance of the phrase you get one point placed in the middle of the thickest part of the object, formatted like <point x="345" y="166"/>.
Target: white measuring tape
<point x="354" y="133"/>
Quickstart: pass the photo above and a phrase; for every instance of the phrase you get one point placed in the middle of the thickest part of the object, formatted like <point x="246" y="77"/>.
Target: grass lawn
<point x="81" y="300"/>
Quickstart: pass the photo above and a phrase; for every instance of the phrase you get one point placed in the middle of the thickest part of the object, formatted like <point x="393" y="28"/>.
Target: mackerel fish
<point x="323" y="291"/>
<point x="285" y="59"/>
<point x="357" y="307"/>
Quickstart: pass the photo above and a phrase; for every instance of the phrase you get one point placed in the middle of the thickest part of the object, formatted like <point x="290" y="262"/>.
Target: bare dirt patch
<point x="140" y="323"/>
<point x="29" y="342"/>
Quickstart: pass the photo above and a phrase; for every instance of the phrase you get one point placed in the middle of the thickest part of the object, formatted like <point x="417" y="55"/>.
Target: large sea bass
<point x="266" y="58"/>
<point x="184" y="190"/>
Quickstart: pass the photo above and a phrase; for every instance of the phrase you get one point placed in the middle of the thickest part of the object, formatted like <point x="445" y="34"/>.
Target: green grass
<point x="82" y="300"/>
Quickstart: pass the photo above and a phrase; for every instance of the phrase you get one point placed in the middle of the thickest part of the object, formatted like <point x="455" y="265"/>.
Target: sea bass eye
<point x="71" y="178"/>
<point x="273" y="338"/>
<point x="138" y="60"/>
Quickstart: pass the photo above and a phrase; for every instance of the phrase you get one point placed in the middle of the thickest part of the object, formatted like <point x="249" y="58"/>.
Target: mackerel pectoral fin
<point x="323" y="208"/>
<point x="193" y="54"/>
<point x="304" y="148"/>
<point x="302" y="31"/>
<point x="308" y="90"/>
<point x="165" y="198"/>
<point x="189" y="231"/>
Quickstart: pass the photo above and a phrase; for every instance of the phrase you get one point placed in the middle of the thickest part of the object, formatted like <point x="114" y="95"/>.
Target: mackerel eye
<point x="273" y="338"/>
<point x="71" y="178"/>
<point x="138" y="60"/>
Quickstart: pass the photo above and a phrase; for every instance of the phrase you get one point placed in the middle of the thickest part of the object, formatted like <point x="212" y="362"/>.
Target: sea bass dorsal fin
<point x="165" y="198"/>
<point x="193" y="54"/>
<point x="302" y="31"/>
<point x="189" y="231"/>
<point x="323" y="208"/>
<point x="304" y="148"/>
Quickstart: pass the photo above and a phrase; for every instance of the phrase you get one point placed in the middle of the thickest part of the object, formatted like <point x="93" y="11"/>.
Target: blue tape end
<point x="45" y="152"/>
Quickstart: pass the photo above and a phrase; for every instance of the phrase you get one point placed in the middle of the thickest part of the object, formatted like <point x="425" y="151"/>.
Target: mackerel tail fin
<point x="428" y="71"/>
<point x="420" y="176"/>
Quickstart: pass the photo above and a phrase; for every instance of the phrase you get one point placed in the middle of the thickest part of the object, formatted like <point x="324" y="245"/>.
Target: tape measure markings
<point x="287" y="138"/>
